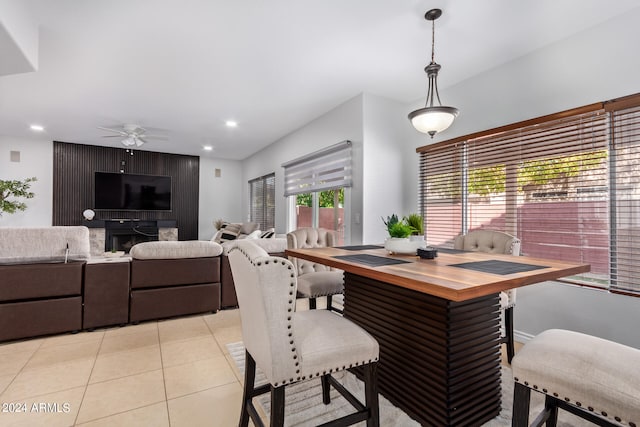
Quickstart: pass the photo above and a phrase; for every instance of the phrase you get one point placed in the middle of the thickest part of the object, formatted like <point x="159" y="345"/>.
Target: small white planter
<point x="403" y="246"/>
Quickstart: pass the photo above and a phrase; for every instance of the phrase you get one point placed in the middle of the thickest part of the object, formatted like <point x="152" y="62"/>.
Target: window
<point x="567" y="185"/>
<point x="317" y="186"/>
<point x="262" y="194"/>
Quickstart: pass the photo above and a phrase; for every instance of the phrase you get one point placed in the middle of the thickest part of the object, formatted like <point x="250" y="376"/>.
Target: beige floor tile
<point x="48" y="379"/>
<point x="120" y="364"/>
<point x="72" y="338"/>
<point x="228" y="335"/>
<point x="153" y="415"/>
<point x="223" y="319"/>
<point x="12" y="363"/>
<point x="5" y="380"/>
<point x="121" y="395"/>
<point x="66" y="353"/>
<point x="131" y="329"/>
<point x="51" y="410"/>
<point x="189" y="378"/>
<point x="219" y="406"/>
<point x="187" y="351"/>
<point x="20" y="346"/>
<point x="128" y="342"/>
<point x="182" y="329"/>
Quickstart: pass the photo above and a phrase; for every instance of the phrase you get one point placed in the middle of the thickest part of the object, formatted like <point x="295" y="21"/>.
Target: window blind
<point x="262" y="208"/>
<point x="625" y="181"/>
<point x="546" y="183"/>
<point x="322" y="170"/>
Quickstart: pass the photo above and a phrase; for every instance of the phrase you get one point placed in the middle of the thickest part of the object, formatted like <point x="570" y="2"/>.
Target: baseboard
<point x="522" y="337"/>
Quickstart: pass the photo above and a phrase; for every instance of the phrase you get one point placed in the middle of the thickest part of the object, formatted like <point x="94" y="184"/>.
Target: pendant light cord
<point x="433" y="39"/>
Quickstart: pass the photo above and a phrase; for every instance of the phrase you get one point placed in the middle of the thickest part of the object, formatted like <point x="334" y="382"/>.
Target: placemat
<point x="371" y="260"/>
<point x="498" y="267"/>
<point x="360" y="247"/>
<point x="450" y="251"/>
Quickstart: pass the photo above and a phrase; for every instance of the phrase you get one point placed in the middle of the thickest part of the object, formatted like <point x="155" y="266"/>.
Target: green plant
<point x="415" y="221"/>
<point x="15" y="189"/>
<point x="397" y="228"/>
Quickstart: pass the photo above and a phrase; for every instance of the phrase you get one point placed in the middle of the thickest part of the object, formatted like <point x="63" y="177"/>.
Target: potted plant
<point x="15" y="189"/>
<point x="399" y="232"/>
<point x="415" y="221"/>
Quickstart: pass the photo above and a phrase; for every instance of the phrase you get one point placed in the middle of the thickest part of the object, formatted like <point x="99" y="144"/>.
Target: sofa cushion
<point x="19" y="245"/>
<point x="175" y="250"/>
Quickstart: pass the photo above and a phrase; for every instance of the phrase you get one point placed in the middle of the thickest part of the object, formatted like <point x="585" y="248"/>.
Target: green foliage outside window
<point x="326" y="198"/>
<point x="492" y="179"/>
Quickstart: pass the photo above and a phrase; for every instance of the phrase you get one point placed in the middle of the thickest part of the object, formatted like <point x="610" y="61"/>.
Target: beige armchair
<point x="315" y="280"/>
<point x="290" y="346"/>
<point x="500" y="243"/>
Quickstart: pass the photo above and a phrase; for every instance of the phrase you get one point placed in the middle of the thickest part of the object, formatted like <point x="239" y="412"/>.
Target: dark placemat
<point x="498" y="267"/>
<point x="360" y="247"/>
<point x="371" y="260"/>
<point x="450" y="251"/>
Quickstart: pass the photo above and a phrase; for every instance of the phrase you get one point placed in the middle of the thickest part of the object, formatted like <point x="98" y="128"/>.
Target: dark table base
<point x="439" y="359"/>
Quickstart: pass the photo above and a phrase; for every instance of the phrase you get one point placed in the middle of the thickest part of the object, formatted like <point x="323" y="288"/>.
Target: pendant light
<point x="433" y="119"/>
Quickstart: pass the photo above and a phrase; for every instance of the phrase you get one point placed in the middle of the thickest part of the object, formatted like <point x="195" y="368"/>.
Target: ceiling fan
<point x="131" y="134"/>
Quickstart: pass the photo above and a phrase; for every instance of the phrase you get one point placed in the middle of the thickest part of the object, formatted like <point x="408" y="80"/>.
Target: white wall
<point x="385" y="128"/>
<point x="36" y="159"/>
<point x="220" y="197"/>
<point x="342" y="123"/>
<point x="593" y="66"/>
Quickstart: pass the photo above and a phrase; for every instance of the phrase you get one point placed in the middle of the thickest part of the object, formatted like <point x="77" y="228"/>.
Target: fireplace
<point x="121" y="235"/>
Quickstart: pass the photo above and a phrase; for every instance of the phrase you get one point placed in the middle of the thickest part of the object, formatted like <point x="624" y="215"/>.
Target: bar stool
<point x="315" y="280"/>
<point x="593" y="378"/>
<point x="290" y="346"/>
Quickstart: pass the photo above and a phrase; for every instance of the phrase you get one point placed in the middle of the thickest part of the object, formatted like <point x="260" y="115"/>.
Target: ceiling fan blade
<point x="118" y="131"/>
<point x="112" y="136"/>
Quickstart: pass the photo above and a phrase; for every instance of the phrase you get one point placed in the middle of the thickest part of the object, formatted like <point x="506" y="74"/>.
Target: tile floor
<point x="166" y="373"/>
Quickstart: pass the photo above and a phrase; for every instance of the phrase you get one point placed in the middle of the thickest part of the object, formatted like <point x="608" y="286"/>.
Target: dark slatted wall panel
<point x="73" y="174"/>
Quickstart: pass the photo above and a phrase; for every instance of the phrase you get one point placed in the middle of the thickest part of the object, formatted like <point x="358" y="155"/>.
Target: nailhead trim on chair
<point x="291" y="302"/>
<point x="578" y="404"/>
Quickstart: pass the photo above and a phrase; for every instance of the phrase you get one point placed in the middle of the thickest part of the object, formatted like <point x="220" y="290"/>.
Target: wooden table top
<point x="438" y="277"/>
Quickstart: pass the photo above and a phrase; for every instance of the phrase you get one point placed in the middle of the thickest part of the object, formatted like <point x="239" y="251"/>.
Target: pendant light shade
<point x="433" y="118"/>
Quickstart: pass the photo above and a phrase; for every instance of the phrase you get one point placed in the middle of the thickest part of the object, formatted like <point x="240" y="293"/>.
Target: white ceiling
<point x="182" y="68"/>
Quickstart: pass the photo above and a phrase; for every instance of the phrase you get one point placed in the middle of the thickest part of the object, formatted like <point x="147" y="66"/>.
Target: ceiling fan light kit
<point x="433" y="118"/>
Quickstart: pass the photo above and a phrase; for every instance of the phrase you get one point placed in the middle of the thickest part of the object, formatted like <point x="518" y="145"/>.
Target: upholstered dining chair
<point x="500" y="243"/>
<point x="315" y="280"/>
<point x="290" y="346"/>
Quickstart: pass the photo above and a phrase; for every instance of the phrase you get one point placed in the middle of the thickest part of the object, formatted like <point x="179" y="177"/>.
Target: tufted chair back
<point x="266" y="289"/>
<point x="489" y="241"/>
<point x="310" y="238"/>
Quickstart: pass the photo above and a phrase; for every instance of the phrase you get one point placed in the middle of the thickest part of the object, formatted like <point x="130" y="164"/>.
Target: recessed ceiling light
<point x="37" y="128"/>
<point x="208" y="148"/>
<point x="231" y="123"/>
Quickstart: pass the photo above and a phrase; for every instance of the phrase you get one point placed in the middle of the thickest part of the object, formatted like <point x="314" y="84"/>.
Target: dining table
<point x="437" y="322"/>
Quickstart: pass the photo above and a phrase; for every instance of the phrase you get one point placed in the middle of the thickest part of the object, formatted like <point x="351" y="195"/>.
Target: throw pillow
<point x="248" y="227"/>
<point x="254" y="234"/>
<point x="268" y="234"/>
<point x="229" y="231"/>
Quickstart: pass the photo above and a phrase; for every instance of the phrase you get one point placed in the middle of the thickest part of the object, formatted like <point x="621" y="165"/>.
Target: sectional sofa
<point x="50" y="284"/>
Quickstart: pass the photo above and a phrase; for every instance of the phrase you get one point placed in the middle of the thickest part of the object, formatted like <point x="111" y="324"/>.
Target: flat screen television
<point x="131" y="192"/>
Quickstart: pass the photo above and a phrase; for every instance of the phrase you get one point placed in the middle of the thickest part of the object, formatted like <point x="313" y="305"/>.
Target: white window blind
<point x="262" y="192"/>
<point x="625" y="182"/>
<point x="322" y="170"/>
<point x="546" y="183"/>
